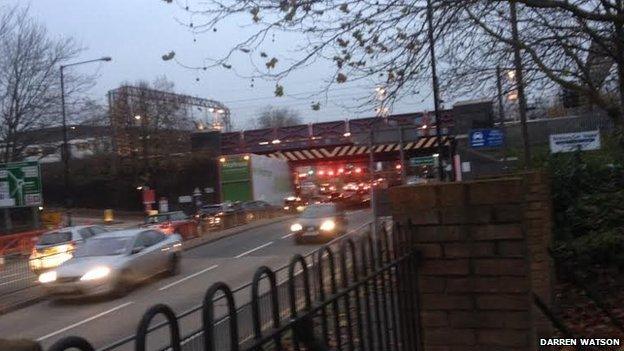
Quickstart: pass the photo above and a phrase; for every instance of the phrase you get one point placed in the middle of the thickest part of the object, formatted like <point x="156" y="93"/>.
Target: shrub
<point x="588" y="202"/>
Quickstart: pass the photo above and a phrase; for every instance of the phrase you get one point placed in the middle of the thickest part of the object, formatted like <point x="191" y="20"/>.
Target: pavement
<point x="232" y="259"/>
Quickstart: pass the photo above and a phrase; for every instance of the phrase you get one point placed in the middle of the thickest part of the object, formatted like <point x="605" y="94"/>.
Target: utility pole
<point x="436" y="91"/>
<point x="402" y="156"/>
<point x="65" y="153"/>
<point x="371" y="167"/>
<point x="522" y="104"/>
<point x="501" y="110"/>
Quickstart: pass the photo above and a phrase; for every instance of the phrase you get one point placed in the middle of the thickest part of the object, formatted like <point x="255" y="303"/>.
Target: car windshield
<point x="55" y="238"/>
<point x="212" y="208"/>
<point x="177" y="216"/>
<point x="319" y="211"/>
<point x="157" y="219"/>
<point x="103" y="247"/>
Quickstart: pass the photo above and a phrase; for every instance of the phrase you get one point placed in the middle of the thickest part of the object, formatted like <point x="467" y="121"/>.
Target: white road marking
<point x="288" y="236"/>
<point x="252" y="250"/>
<point x="84" y="321"/>
<point x="188" y="277"/>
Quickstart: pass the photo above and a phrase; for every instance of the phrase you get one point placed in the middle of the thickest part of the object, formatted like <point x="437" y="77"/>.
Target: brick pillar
<point x="478" y="272"/>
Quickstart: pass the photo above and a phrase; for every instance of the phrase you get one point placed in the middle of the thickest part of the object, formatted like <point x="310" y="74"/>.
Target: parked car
<point x="294" y="204"/>
<point x="57" y="246"/>
<point x="173" y="222"/>
<point x="211" y="216"/>
<point x="254" y="209"/>
<point x="319" y="222"/>
<point x="114" y="262"/>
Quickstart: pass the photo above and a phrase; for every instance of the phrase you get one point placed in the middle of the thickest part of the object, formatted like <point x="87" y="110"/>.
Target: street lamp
<point x="65" y="150"/>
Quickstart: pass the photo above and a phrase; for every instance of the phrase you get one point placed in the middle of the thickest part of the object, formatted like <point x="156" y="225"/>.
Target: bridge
<point x="344" y="140"/>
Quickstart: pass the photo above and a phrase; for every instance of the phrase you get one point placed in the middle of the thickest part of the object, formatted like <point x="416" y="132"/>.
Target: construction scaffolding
<point x="139" y="115"/>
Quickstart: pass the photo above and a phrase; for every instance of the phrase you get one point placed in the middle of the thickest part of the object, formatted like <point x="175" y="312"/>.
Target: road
<point x="104" y="320"/>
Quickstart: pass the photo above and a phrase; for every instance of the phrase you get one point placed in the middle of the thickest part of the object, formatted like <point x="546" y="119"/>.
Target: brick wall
<point x="484" y="248"/>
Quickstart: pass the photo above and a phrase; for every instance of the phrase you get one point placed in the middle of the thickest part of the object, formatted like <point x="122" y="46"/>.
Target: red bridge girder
<point x="308" y="137"/>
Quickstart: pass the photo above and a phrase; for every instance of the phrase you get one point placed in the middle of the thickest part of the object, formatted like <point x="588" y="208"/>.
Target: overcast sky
<point x="136" y="33"/>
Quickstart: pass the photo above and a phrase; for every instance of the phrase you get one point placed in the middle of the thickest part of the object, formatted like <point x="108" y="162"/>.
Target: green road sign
<point x="20" y="184"/>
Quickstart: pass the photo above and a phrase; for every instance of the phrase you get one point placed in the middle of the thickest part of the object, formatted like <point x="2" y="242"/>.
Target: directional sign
<point x="20" y="184"/>
<point x="486" y="138"/>
<point x="570" y="142"/>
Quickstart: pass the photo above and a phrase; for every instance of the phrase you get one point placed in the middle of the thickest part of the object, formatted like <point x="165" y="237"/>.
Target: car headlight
<point x="47" y="277"/>
<point x="65" y="248"/>
<point x="296" y="227"/>
<point x="300" y="208"/>
<point x="286" y="208"/>
<point x="96" y="273"/>
<point x="328" y="226"/>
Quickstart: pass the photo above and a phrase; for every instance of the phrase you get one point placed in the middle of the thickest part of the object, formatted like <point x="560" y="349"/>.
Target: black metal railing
<point x="358" y="292"/>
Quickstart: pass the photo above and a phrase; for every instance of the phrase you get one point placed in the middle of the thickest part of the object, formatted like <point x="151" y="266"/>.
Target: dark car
<point x="256" y="209"/>
<point x="173" y="222"/>
<point x="319" y="222"/>
<point x="294" y="204"/>
<point x="211" y="216"/>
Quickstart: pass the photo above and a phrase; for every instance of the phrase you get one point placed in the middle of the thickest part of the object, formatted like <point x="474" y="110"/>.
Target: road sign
<point x="185" y="199"/>
<point x="422" y="161"/>
<point x="20" y="184"/>
<point x="570" y="142"/>
<point x="486" y="138"/>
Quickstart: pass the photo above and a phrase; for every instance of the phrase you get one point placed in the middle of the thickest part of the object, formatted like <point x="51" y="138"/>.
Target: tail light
<point x="167" y="227"/>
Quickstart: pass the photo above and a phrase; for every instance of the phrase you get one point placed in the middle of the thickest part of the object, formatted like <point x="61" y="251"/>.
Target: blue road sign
<point x="486" y="138"/>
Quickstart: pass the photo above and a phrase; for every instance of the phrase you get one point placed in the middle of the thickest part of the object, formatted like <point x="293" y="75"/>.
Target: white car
<point x="114" y="262"/>
<point x="57" y="246"/>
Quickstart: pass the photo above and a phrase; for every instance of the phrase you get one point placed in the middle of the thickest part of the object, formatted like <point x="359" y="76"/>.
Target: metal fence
<point x="15" y="275"/>
<point x="357" y="292"/>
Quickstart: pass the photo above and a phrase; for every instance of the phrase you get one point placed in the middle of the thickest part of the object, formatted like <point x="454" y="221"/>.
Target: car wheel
<point x="299" y="240"/>
<point x="174" y="265"/>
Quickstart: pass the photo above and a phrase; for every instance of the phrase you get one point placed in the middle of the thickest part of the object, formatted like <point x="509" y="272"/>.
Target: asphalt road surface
<point x="102" y="321"/>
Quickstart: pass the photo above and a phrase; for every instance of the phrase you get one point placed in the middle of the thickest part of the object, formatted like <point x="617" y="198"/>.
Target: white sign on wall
<point x="466" y="167"/>
<point x="570" y="142"/>
<point x="185" y="199"/>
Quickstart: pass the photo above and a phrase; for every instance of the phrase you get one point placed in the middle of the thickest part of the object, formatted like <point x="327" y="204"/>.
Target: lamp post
<point x="436" y="90"/>
<point x="65" y="150"/>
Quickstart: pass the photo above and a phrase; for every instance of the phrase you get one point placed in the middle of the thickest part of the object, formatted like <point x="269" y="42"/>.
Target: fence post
<point x="71" y="342"/>
<point x="144" y="324"/>
<point x="350" y="244"/>
<point x="292" y="290"/>
<point x="255" y="303"/>
<point x="367" y="294"/>
<point x="385" y="254"/>
<point x="208" y="316"/>
<point x="334" y="290"/>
